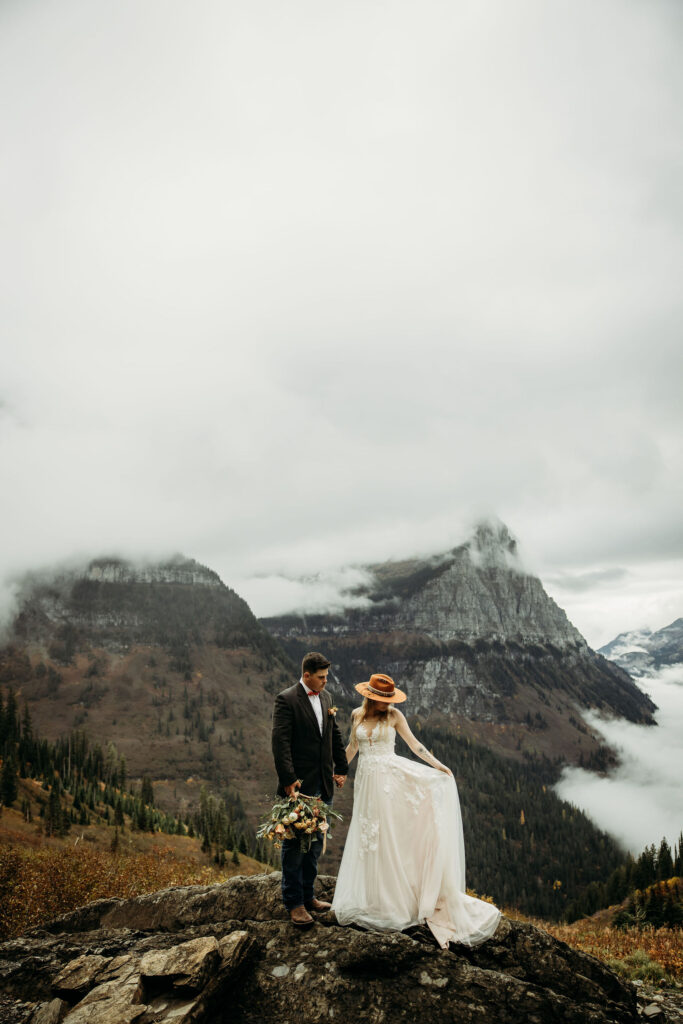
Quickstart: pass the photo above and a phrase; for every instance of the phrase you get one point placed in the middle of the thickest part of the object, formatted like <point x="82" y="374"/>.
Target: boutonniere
<point x="332" y="711"/>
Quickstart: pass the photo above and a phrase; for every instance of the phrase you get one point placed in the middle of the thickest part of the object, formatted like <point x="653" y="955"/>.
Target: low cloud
<point x="336" y="590"/>
<point x="8" y="607"/>
<point x="587" y="580"/>
<point x="643" y="799"/>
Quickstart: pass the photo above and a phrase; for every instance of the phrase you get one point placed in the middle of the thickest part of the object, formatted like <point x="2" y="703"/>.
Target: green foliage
<point x="653" y="887"/>
<point x="659" y="906"/>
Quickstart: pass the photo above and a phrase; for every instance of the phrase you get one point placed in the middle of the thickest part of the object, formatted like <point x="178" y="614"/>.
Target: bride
<point x="404" y="858"/>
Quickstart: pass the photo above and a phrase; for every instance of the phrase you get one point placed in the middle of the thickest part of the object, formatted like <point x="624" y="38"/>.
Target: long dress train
<point x="404" y="858"/>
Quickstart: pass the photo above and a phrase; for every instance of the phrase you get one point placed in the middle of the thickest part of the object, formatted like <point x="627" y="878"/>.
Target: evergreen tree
<point x="8" y="782"/>
<point x="118" y="814"/>
<point x="147" y="791"/>
<point x="26" y="724"/>
<point x="11" y="722"/>
<point x="665" y="864"/>
<point x="115" y="842"/>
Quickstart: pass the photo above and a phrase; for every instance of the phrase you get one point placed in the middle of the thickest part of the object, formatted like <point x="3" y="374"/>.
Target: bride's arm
<point x="352" y="748"/>
<point x="403" y="729"/>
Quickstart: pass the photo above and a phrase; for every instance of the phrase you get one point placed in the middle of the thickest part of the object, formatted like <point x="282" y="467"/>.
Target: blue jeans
<point x="299" y="870"/>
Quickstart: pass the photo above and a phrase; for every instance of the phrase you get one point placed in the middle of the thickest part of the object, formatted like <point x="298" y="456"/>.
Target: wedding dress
<point x="404" y="858"/>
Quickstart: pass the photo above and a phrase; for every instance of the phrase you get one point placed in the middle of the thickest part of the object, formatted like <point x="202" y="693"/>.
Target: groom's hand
<point x="339" y="780"/>
<point x="293" y="789"/>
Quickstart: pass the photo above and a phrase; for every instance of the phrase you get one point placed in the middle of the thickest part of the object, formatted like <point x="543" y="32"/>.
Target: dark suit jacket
<point x="299" y="750"/>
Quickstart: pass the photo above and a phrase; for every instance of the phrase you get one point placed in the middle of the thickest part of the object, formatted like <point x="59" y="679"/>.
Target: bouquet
<point x="300" y="817"/>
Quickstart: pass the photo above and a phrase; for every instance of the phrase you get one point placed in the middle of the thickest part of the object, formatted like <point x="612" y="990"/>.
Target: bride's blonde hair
<point x="379" y="707"/>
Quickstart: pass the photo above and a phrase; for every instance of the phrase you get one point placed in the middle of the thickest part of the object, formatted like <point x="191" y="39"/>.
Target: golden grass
<point x="626" y="949"/>
<point x="37" y="886"/>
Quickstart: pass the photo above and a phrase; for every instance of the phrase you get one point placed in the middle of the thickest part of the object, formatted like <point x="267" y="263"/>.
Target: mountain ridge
<point x="473" y="635"/>
<point x="640" y="652"/>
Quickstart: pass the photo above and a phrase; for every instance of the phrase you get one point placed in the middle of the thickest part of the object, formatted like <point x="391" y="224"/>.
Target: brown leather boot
<point x="300" y="917"/>
<point x="319" y="905"/>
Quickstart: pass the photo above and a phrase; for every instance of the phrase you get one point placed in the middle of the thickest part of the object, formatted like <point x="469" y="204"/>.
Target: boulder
<point x="208" y="954"/>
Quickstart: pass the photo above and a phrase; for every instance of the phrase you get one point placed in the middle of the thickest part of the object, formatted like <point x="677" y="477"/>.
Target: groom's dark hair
<point x="314" y="662"/>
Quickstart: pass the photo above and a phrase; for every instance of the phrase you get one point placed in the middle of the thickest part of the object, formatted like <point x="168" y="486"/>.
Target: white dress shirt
<point x="316" y="705"/>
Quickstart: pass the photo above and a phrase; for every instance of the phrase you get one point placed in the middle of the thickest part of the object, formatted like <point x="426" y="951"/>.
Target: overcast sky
<point x="288" y="287"/>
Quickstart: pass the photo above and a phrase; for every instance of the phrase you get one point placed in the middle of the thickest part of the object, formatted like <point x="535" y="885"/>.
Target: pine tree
<point x="26" y="724"/>
<point x="147" y="791"/>
<point x="11" y="716"/>
<point x="665" y="864"/>
<point x="8" y="782"/>
<point x="53" y="813"/>
<point x="118" y="814"/>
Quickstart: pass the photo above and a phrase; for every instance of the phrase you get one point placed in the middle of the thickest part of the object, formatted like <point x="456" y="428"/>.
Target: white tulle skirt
<point x="404" y="858"/>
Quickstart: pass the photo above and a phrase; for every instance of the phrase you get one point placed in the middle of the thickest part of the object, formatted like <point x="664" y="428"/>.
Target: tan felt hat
<point x="381" y="687"/>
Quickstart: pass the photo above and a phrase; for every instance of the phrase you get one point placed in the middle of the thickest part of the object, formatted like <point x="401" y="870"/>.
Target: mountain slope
<point x="163" y="661"/>
<point x="471" y="635"/>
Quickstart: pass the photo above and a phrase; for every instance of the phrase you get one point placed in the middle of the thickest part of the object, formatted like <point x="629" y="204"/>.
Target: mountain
<point x="163" y="661"/>
<point x="167" y="666"/>
<point x="641" y="652"/>
<point x="471" y="635"/>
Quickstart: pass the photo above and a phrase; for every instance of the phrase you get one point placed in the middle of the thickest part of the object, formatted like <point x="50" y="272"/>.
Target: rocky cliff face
<point x="211" y="954"/>
<point x="641" y="652"/>
<point x="478" y="591"/>
<point x="112" y="603"/>
<point x="179" y="570"/>
<point x="470" y="633"/>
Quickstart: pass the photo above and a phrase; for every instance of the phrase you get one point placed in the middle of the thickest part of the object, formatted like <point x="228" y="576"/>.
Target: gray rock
<point x="53" y="1012"/>
<point x="206" y="954"/>
<point x="186" y="966"/>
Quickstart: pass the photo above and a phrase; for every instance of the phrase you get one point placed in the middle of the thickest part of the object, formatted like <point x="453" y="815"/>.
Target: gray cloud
<point x="587" y="580"/>
<point x="294" y="288"/>
<point x="643" y="800"/>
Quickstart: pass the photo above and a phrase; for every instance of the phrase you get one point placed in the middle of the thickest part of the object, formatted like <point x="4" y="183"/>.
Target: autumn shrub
<point x="638" y="966"/>
<point x="649" y="954"/>
<point x="37" y="886"/>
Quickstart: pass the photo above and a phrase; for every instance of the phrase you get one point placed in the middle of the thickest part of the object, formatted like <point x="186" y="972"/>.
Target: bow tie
<point x="312" y="693"/>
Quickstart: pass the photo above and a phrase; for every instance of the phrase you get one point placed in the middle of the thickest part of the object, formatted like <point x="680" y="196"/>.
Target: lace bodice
<point x="377" y="742"/>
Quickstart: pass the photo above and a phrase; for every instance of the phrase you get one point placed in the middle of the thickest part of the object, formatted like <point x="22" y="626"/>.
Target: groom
<point x="309" y="754"/>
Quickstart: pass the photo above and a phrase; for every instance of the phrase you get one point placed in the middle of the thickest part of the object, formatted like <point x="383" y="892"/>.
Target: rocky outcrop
<point x="465" y="631"/>
<point x="178" y="570"/>
<point x="229" y="953"/>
